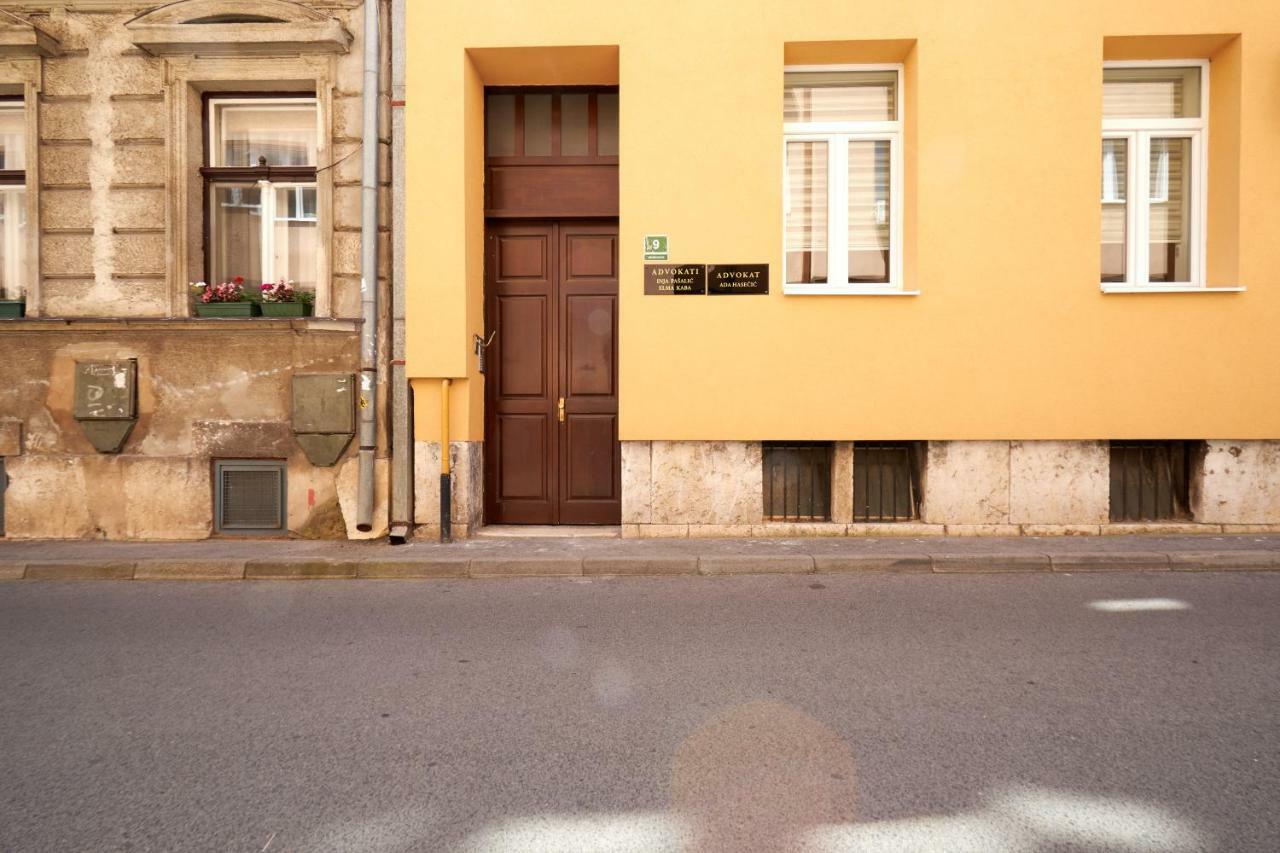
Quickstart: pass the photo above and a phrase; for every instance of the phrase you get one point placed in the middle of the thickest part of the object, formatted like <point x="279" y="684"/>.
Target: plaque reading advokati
<point x="735" y="279"/>
<point x="675" y="279"/>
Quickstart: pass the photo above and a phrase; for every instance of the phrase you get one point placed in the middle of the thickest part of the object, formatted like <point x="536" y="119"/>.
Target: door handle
<point x="560" y="409"/>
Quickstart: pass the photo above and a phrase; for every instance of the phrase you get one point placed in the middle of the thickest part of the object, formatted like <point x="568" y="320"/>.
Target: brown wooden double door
<point x="551" y="386"/>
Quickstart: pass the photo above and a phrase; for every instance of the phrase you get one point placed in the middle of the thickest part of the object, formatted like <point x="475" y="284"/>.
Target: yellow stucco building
<point x="761" y="268"/>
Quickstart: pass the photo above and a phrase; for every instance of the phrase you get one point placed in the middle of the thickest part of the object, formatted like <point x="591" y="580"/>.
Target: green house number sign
<point x="655" y="247"/>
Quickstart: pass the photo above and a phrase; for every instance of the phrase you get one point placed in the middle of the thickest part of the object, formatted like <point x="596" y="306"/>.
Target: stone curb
<point x="1130" y="561"/>
<point x="1225" y="561"/>
<point x="407" y="569"/>
<point x="189" y="570"/>
<point x="757" y="564"/>
<point x="51" y="571"/>
<point x="843" y="563"/>
<point x="637" y="565"/>
<point x="985" y="563"/>
<point x="299" y="569"/>
<point x="596" y="566"/>
<point x="526" y="567"/>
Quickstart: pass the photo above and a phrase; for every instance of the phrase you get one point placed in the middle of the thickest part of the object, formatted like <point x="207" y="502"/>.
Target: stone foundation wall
<point x="970" y="488"/>
<point x="466" y="462"/>
<point x="202" y="395"/>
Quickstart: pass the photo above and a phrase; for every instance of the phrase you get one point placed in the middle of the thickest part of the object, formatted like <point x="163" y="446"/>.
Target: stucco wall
<point x="109" y="164"/>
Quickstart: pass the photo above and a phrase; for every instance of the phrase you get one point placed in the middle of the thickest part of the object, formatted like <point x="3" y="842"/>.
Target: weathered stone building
<point x="164" y="144"/>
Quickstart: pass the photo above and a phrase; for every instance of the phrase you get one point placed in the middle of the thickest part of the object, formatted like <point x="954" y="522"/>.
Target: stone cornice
<point x="19" y="37"/>
<point x="291" y="28"/>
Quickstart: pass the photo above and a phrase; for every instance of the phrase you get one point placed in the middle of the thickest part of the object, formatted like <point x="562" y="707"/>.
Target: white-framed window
<point x="260" y="185"/>
<point x="13" y="199"/>
<point x="842" y="179"/>
<point x="1155" y="120"/>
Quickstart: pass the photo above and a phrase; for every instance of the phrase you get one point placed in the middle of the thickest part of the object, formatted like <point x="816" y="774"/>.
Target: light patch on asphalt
<point x="627" y="833"/>
<point x="1133" y="605"/>
<point x="612" y="683"/>
<point x="1031" y="820"/>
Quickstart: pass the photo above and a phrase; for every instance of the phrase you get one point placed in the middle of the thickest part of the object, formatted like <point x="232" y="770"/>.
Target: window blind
<point x="833" y="96"/>
<point x="1151" y="92"/>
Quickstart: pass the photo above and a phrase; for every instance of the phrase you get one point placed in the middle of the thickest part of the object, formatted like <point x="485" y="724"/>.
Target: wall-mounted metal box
<point x="324" y="415"/>
<point x="106" y="401"/>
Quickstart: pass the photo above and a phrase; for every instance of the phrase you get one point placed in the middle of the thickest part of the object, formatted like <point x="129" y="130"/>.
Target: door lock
<point x="560" y="409"/>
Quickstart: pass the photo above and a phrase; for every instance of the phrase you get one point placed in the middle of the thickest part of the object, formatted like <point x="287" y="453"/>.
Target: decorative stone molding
<point x="21" y="38"/>
<point x="237" y="28"/>
<point x="187" y="79"/>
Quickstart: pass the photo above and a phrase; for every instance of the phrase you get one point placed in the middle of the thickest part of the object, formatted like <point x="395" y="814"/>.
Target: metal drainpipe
<point x="446" y="482"/>
<point x="369" y="272"/>
<point x="402" y="447"/>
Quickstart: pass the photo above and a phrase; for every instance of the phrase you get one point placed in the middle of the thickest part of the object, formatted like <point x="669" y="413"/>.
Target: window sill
<point x="827" y="290"/>
<point x="1168" y="288"/>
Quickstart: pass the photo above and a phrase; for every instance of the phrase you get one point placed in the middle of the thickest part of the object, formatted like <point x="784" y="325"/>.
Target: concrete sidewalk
<point x="227" y="559"/>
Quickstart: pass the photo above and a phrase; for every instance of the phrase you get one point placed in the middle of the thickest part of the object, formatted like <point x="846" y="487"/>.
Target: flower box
<point x="226" y="309"/>
<point x="286" y="309"/>
<point x="12" y="308"/>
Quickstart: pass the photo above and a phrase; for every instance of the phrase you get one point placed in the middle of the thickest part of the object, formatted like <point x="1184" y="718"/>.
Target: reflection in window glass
<point x="806" y="213"/>
<point x="1169" y="199"/>
<point x="13" y="135"/>
<point x="500" y="125"/>
<point x="607" y="132"/>
<point x="283" y="134"/>
<point x="537" y="125"/>
<point x="13" y="247"/>
<point x="236" y="231"/>
<point x="1115" y="209"/>
<point x="573" y="125"/>
<point x="295" y="239"/>
<point x="869" y="211"/>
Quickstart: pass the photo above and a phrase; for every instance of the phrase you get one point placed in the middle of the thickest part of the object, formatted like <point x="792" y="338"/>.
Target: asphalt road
<point x="985" y="713"/>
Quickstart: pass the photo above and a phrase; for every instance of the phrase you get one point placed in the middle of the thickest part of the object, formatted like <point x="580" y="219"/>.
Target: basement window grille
<point x="797" y="481"/>
<point x="249" y="496"/>
<point x="886" y="481"/>
<point x="1151" y="480"/>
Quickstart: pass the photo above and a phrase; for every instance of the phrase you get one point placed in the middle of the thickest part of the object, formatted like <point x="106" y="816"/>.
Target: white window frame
<point x="837" y="136"/>
<point x="267" y="189"/>
<point x="1138" y="132"/>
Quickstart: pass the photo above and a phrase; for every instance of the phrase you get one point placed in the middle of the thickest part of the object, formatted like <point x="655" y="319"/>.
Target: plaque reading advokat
<point x="675" y="279"/>
<point x="735" y="279"/>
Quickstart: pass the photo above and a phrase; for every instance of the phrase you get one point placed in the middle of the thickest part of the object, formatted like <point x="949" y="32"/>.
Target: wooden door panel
<point x="590" y="333"/>
<point x="521" y="433"/>
<point x="591" y="458"/>
<point x="522" y="363"/>
<point x="590" y="465"/>
<point x="522" y="461"/>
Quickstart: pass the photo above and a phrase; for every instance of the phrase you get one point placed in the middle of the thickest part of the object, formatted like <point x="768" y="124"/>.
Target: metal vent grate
<point x="1151" y="480"/>
<point x="797" y="481"/>
<point x="250" y="496"/>
<point x="886" y="481"/>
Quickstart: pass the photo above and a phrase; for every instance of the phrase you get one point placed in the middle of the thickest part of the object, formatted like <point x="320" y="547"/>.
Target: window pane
<point x="1170" y="210"/>
<point x="1115" y="209"/>
<point x="236" y="233"/>
<point x="295" y="237"/>
<point x="806" y="216"/>
<point x="500" y="123"/>
<point x="607" y="120"/>
<point x="13" y="246"/>
<point x="537" y="125"/>
<point x="285" y="134"/>
<point x="840" y="96"/>
<point x="869" y="211"/>
<point x="1151" y="92"/>
<point x="13" y="136"/>
<point x="573" y="125"/>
